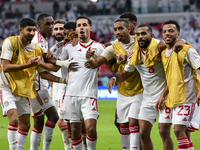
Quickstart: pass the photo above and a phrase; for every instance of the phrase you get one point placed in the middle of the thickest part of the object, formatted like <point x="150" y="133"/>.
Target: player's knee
<point x="25" y="125"/>
<point x="178" y="132"/>
<point x="91" y="131"/>
<point x="144" y="132"/>
<point x="14" y="120"/>
<point x="164" y="130"/>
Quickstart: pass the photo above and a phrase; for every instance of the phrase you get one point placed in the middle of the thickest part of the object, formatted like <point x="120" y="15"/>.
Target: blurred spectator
<point x="32" y="11"/>
<point x="17" y="13"/>
<point x="128" y="5"/>
<point x="56" y="8"/>
<point x="2" y="10"/>
<point x="9" y="14"/>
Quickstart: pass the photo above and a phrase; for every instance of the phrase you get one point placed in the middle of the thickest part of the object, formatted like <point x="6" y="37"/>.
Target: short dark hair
<point x="131" y="16"/>
<point x="27" y="22"/>
<point x="145" y="25"/>
<point x="70" y="25"/>
<point x="123" y="20"/>
<point x="41" y="17"/>
<point x="172" y="22"/>
<point x="60" y="21"/>
<point x="84" y="17"/>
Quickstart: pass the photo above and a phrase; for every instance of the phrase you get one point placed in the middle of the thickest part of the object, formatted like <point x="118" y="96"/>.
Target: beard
<point x="146" y="43"/>
<point x="59" y="39"/>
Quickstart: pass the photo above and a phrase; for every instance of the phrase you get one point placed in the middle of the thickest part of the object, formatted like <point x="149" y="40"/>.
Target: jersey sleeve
<point x="129" y="68"/>
<point x="109" y="53"/>
<point x="193" y="58"/>
<point x="7" y="51"/>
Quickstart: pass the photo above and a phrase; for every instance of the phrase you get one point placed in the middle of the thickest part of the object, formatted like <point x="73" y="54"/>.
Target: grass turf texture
<point x="108" y="136"/>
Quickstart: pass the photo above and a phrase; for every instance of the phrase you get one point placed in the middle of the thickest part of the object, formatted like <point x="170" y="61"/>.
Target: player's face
<point x="132" y="26"/>
<point x="83" y="29"/>
<point x="144" y="36"/>
<point x="58" y="32"/>
<point x="170" y="34"/>
<point x="121" y="31"/>
<point x="66" y="34"/>
<point x="28" y="32"/>
<point x="46" y="26"/>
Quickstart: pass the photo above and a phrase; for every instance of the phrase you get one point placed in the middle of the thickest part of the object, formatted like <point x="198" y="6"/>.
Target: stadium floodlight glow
<point x="94" y="1"/>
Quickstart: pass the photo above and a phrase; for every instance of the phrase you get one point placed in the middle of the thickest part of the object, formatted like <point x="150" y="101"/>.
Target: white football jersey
<point x="84" y="81"/>
<point x="43" y="43"/>
<point x="59" y="88"/>
<point x="153" y="79"/>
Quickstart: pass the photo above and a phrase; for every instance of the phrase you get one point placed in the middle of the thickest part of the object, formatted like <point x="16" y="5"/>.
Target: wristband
<point x="65" y="63"/>
<point x="89" y="59"/>
<point x="114" y="78"/>
<point x="119" y="62"/>
<point x="61" y="80"/>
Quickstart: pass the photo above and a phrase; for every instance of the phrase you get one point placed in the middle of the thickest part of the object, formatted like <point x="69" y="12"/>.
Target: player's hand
<point x="49" y="55"/>
<point x="159" y="103"/>
<point x="111" y="85"/>
<point x="89" y="53"/>
<point x="178" y="45"/>
<point x="198" y="98"/>
<point x="73" y="66"/>
<point x="34" y="61"/>
<point x="87" y="65"/>
<point x="161" y="46"/>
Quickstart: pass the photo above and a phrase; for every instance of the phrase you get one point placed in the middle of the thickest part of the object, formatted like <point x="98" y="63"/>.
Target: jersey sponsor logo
<point x="17" y="52"/>
<point x="184" y="119"/>
<point x="46" y="100"/>
<point x="6" y="103"/>
<point x="79" y="50"/>
<point x="61" y="112"/>
<point x="141" y="63"/>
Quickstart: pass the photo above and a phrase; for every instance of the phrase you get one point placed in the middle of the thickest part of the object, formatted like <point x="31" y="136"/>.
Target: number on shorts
<point x="187" y="109"/>
<point x="151" y="70"/>
<point x="167" y="110"/>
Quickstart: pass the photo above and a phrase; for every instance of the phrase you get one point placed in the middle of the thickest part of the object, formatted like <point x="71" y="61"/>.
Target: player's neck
<point x="84" y="40"/>
<point x="170" y="45"/>
<point x="43" y="34"/>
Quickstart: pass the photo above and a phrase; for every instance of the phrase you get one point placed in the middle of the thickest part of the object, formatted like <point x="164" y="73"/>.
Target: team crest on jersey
<point x="46" y="100"/>
<point x="94" y="49"/>
<point x="61" y="112"/>
<point x="159" y="59"/>
<point x="6" y="103"/>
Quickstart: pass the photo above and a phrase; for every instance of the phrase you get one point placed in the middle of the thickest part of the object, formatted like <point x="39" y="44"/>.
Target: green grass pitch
<point x="108" y="136"/>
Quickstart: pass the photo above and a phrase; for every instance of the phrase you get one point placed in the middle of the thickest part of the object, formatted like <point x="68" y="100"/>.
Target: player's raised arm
<point x="9" y="67"/>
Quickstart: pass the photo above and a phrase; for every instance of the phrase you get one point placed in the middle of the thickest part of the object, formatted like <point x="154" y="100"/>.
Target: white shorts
<point x="182" y="114"/>
<point x="41" y="103"/>
<point x="59" y="107"/>
<point x="128" y="107"/>
<point x="12" y="101"/>
<point x="148" y="113"/>
<point x="194" y="124"/>
<point x="165" y="116"/>
<point x="77" y="107"/>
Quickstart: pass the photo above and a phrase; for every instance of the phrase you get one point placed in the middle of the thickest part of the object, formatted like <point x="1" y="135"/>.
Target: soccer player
<point x="43" y="102"/>
<point x="145" y="58"/>
<point x="57" y="88"/>
<point x="81" y="95"/>
<point x="129" y="96"/>
<point x="17" y="81"/>
<point x="182" y="78"/>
